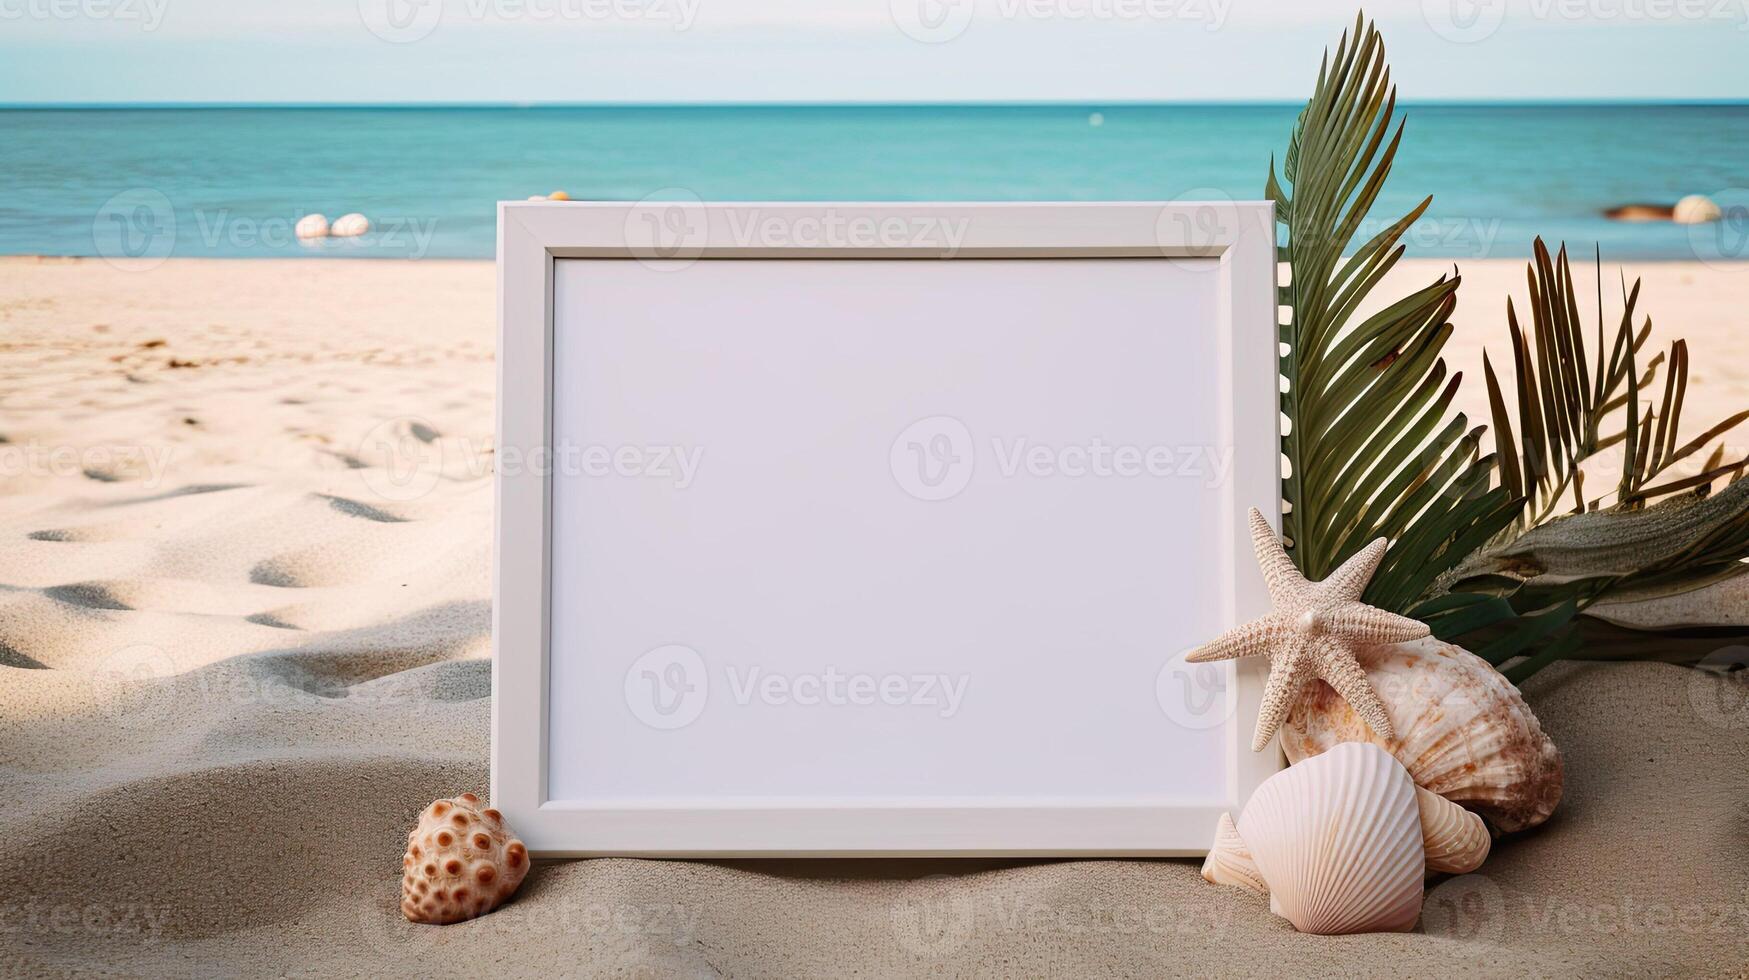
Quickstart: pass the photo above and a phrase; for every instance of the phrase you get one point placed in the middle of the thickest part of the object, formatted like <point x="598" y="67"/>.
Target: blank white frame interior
<point x="878" y="529"/>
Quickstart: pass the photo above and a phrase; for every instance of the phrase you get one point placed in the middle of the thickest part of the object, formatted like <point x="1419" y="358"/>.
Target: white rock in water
<point x="1695" y="209"/>
<point x="350" y="225"/>
<point x="312" y="226"/>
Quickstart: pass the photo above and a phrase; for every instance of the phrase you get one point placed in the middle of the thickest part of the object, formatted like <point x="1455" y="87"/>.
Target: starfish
<point x="1314" y="631"/>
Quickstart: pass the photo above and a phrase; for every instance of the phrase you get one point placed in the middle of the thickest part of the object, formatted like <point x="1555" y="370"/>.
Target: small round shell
<point x="311" y="226"/>
<point x="349" y="225"/>
<point x="1463" y="731"/>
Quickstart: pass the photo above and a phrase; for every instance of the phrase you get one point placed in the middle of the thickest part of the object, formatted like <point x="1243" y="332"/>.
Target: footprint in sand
<point x="87" y="595"/>
<point x="407" y="459"/>
<point x="122" y="530"/>
<point x="281" y="572"/>
<point x="160" y="523"/>
<point x="365" y="511"/>
<point x="10" y="657"/>
<point x="187" y="491"/>
<point x="271" y="619"/>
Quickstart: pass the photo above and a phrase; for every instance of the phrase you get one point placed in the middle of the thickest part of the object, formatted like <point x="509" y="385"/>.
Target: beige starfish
<point x="1313" y="632"/>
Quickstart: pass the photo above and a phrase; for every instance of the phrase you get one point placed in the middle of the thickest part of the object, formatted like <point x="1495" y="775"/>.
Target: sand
<point x="239" y="651"/>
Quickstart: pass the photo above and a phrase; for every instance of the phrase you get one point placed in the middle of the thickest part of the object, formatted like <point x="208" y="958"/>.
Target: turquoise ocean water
<point x="231" y="181"/>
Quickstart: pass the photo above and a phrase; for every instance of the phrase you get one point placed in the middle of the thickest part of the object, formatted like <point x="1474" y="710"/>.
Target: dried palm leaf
<point x="1657" y="532"/>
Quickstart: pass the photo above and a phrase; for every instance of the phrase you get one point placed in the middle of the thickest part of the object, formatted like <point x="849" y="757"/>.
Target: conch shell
<point x="1337" y="842"/>
<point x="1462" y="731"/>
<point x="1456" y="840"/>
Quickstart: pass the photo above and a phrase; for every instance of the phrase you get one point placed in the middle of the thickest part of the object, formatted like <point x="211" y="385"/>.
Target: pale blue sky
<point x="851" y="50"/>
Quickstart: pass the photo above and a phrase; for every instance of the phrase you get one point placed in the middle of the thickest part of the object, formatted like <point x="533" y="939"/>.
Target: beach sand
<point x="241" y="650"/>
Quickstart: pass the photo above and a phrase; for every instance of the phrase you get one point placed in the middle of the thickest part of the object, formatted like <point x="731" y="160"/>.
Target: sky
<point x="617" y="51"/>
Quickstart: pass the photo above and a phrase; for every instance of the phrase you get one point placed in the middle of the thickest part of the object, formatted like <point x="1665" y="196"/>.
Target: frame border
<point x="1240" y="236"/>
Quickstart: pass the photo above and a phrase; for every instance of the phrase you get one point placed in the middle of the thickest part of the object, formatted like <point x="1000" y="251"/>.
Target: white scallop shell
<point x="311" y="226"/>
<point x="1455" y="840"/>
<point x="349" y="225"/>
<point x="1463" y="731"/>
<point x="1338" y="839"/>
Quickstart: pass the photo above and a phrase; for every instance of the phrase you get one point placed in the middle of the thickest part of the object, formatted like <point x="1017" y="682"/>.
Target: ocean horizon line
<point x="232" y="179"/>
<point x="991" y="104"/>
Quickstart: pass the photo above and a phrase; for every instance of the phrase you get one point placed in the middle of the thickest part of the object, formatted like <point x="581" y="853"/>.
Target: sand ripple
<point x="244" y="638"/>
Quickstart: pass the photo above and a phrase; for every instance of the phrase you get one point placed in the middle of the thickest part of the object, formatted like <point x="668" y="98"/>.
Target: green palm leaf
<point x="1497" y="543"/>
<point x="1371" y="448"/>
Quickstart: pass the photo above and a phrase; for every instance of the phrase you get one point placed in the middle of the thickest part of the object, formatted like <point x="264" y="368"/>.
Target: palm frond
<point x="1657" y="530"/>
<point x="1563" y="410"/>
<point x="1372" y="449"/>
<point x="1495" y="541"/>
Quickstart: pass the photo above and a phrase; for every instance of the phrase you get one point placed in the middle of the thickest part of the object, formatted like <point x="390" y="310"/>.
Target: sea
<point x="231" y="181"/>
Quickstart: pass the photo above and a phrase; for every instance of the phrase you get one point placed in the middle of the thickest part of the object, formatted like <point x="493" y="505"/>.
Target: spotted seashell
<point x="462" y="861"/>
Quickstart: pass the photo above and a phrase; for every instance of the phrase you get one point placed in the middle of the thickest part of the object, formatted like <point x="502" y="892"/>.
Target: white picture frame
<point x="598" y="270"/>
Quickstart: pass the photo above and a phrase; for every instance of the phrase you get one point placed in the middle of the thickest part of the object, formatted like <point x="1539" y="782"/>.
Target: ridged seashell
<point x="1455" y="840"/>
<point x="311" y="226"/>
<point x="1463" y="731"/>
<point x="558" y="196"/>
<point x="1337" y="839"/>
<point x="349" y="225"/>
<point x="461" y="862"/>
<point x="1229" y="861"/>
